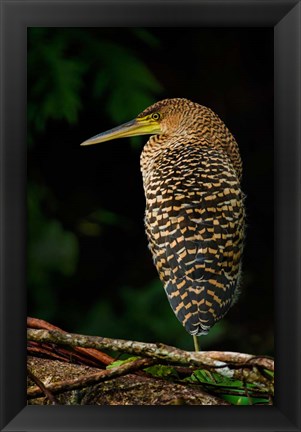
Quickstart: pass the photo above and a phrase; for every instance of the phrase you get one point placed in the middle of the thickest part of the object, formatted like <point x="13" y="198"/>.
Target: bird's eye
<point x="156" y="116"/>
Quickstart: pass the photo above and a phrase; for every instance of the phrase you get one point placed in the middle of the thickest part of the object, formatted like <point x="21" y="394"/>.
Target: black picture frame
<point x="284" y="17"/>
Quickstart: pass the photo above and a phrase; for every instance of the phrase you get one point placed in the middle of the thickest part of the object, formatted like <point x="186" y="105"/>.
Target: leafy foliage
<point x="140" y="314"/>
<point x="232" y="390"/>
<point x="56" y="75"/>
<point x="60" y="62"/>
<point x="52" y="254"/>
<point x="126" y="79"/>
<point x="55" y="79"/>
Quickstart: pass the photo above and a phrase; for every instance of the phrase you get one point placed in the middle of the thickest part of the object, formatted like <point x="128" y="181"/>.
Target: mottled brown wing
<point x="195" y="233"/>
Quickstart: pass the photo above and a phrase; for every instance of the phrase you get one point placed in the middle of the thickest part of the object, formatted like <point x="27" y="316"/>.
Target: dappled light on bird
<point x="194" y="217"/>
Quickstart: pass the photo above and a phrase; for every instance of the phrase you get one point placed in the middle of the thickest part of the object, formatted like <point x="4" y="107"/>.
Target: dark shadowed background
<point x="89" y="267"/>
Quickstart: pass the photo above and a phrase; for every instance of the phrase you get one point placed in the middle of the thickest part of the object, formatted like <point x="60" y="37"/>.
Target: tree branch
<point x="230" y="364"/>
<point x="158" y="350"/>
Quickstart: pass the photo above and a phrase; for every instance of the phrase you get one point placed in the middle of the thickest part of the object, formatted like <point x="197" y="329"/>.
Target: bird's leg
<point x="196" y="343"/>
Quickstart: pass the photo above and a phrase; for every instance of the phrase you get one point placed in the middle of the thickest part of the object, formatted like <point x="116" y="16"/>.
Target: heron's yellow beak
<point x="139" y="126"/>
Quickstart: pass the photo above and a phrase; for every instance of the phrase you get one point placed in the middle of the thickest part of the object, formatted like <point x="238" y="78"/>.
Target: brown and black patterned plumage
<point x="194" y="215"/>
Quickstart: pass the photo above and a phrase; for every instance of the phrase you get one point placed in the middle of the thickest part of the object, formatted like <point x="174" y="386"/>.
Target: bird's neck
<point x="151" y="152"/>
<point x="219" y="138"/>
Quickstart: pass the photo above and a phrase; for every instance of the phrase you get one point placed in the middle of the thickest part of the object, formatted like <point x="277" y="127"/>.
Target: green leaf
<point x="232" y="390"/>
<point x="269" y="373"/>
<point x="118" y="363"/>
<point x="162" y="371"/>
<point x="213" y="378"/>
<point x="54" y="79"/>
<point x="244" y="400"/>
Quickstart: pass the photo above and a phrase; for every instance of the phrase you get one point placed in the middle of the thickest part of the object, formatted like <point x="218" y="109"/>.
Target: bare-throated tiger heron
<point x="194" y="215"/>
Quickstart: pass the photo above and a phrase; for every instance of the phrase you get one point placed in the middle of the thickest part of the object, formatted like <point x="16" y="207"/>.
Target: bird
<point x="195" y="213"/>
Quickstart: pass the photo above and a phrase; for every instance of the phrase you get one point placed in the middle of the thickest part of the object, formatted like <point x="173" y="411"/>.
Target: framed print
<point x="241" y="59"/>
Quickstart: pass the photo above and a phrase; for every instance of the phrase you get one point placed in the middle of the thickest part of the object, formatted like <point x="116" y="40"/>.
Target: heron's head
<point x="166" y="117"/>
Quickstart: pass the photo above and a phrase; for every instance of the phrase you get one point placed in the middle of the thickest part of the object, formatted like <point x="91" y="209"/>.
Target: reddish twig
<point x="91" y="353"/>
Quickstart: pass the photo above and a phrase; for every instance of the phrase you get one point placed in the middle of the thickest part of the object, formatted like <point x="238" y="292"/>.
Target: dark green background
<point x="89" y="268"/>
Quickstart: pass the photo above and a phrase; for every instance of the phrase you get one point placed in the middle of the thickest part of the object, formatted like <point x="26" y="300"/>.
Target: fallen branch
<point x="158" y="350"/>
<point x="245" y="367"/>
